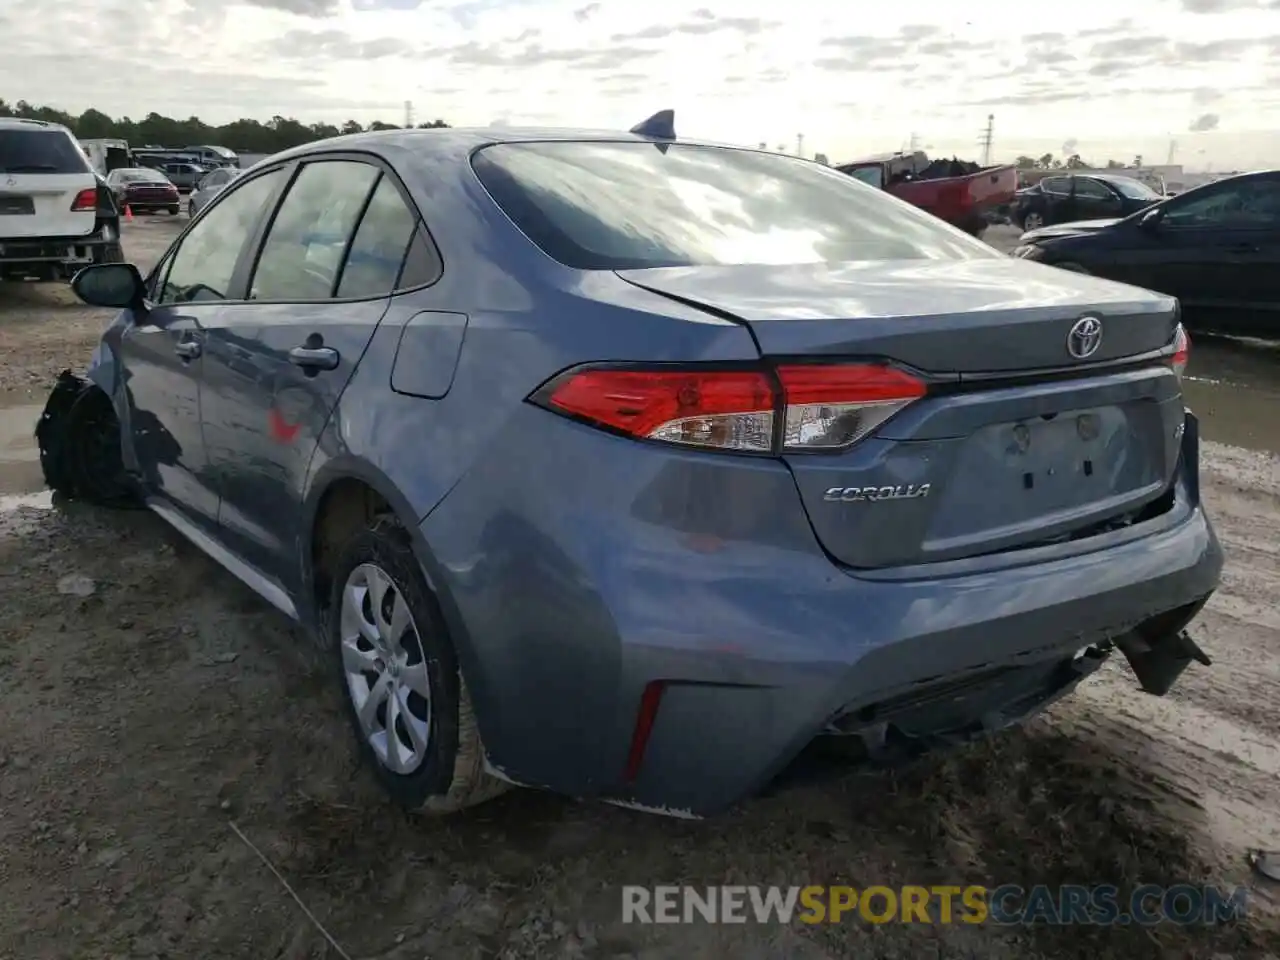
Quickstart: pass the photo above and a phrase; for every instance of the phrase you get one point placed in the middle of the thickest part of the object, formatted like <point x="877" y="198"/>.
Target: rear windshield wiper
<point x="30" y="168"/>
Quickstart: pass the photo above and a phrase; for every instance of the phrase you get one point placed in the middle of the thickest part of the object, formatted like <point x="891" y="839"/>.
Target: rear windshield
<point x="620" y="205"/>
<point x="40" y="151"/>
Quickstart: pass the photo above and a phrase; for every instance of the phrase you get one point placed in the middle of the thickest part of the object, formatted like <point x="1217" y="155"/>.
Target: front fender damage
<point x="79" y="434"/>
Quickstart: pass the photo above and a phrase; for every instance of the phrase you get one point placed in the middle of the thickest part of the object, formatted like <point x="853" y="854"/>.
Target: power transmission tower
<point x="915" y="143"/>
<point x="1173" y="148"/>
<point x="799" y="144"/>
<point x="988" y="136"/>
<point x="408" y="114"/>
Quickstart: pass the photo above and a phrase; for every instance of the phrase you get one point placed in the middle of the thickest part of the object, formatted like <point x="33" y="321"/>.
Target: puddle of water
<point x="40" y="500"/>
<point x="17" y="434"/>
<point x="1234" y="388"/>
<point x="19" y="457"/>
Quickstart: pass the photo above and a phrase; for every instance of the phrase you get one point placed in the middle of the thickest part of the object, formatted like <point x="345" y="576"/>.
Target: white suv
<point x="56" y="214"/>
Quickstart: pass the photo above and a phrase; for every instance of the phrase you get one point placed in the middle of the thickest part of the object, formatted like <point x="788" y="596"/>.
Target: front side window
<point x="303" y="250"/>
<point x="1092" y="189"/>
<point x="618" y="205"/>
<point x="205" y="262"/>
<point x="1246" y="204"/>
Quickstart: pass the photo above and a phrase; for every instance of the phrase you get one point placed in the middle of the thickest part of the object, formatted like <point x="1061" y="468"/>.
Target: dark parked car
<point x="628" y="467"/>
<point x="1216" y="248"/>
<point x="1081" y="197"/>
<point x="142" y="189"/>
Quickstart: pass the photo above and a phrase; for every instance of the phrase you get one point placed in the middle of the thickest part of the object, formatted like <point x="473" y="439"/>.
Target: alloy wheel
<point x="387" y="675"/>
<point x="1033" y="221"/>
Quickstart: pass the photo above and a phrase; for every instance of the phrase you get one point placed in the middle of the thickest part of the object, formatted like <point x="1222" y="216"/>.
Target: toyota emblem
<point x="1085" y="338"/>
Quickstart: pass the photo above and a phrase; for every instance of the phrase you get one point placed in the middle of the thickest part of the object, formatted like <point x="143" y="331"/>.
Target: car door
<point x="162" y="352"/>
<point x="1058" y="207"/>
<point x="278" y="364"/>
<point x="1095" y="200"/>
<point x="1203" y="248"/>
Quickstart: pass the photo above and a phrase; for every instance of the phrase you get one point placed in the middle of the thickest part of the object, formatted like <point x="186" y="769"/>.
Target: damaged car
<point x="630" y="467"/>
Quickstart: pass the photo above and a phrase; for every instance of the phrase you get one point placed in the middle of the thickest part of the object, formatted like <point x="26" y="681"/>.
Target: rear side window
<point x="618" y="205"/>
<point x="304" y="247"/>
<point x="373" y="262"/>
<point x="40" y="151"/>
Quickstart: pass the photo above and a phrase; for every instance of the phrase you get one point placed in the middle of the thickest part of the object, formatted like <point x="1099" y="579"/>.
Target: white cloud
<point x="743" y="72"/>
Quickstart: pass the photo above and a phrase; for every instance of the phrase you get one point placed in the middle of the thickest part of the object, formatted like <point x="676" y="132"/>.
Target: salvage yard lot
<point x="138" y="722"/>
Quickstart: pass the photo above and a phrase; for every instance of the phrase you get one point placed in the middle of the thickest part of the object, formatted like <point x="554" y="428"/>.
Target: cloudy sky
<point x="852" y="77"/>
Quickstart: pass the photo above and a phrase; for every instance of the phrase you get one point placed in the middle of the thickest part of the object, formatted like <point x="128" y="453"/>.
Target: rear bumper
<point x="59" y="254"/>
<point x="603" y="568"/>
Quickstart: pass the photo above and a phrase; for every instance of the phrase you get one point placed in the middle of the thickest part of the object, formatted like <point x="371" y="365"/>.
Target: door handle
<point x="187" y="349"/>
<point x="1242" y="248"/>
<point x="314" y="358"/>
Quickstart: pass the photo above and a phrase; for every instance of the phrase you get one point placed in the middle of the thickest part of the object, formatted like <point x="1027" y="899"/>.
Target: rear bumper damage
<point x="50" y="258"/>
<point x="677" y="652"/>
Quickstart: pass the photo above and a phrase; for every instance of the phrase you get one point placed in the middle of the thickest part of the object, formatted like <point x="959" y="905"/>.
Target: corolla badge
<point x="903" y="491"/>
<point x="1084" y="337"/>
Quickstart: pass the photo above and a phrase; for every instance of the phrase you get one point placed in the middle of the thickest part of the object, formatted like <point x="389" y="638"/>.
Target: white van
<point x="56" y="214"/>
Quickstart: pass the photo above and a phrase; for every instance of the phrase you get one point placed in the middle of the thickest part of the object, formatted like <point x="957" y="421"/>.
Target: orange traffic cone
<point x="128" y="214"/>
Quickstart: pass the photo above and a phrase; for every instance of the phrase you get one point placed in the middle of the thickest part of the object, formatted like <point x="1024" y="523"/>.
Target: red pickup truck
<point x="960" y="193"/>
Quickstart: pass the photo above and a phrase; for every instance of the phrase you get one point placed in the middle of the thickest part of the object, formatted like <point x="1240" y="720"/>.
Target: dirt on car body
<point x="150" y="703"/>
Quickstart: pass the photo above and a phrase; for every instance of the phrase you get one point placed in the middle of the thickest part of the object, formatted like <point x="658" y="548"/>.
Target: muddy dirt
<point x="150" y="707"/>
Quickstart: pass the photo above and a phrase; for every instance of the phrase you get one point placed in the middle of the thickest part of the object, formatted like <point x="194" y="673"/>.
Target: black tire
<point x="175" y="210"/>
<point x="191" y="210"/>
<point x="452" y="777"/>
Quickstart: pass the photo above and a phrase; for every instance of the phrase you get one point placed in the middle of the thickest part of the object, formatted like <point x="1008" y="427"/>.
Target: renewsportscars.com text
<point x="1009" y="904"/>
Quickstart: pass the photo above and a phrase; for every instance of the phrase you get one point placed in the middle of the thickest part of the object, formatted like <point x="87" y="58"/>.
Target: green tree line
<point x="1073" y="162"/>
<point x="243" y="136"/>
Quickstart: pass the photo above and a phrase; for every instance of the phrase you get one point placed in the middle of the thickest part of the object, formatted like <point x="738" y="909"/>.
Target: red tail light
<point x="1181" y="351"/>
<point x="85" y="200"/>
<point x="758" y="411"/>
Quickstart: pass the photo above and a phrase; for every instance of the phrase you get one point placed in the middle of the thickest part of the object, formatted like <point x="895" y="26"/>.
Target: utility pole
<point x="799" y="144"/>
<point x="408" y="114"/>
<point x="1173" y="148"/>
<point x="988" y="136"/>
<point x="915" y="143"/>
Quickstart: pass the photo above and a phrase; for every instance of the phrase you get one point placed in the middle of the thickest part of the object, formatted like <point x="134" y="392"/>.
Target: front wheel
<point x="1032" y="221"/>
<point x="405" y="696"/>
<point x="174" y="210"/>
<point x="191" y="210"/>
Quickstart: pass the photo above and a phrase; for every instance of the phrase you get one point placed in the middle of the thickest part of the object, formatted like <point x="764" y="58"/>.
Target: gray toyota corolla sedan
<point x="628" y="467"/>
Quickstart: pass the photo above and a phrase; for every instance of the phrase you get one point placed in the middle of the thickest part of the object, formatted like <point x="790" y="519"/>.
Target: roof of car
<point x="454" y="140"/>
<point x="15" y="123"/>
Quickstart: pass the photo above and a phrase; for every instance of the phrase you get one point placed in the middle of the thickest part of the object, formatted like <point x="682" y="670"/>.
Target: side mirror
<point x="117" y="285"/>
<point x="1151" y="220"/>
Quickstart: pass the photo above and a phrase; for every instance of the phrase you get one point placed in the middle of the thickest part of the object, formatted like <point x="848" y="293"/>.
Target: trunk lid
<point x="1008" y="449"/>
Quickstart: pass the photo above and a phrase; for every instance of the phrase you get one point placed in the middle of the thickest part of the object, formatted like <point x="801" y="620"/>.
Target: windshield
<point x="1133" y="189"/>
<point x="40" y="151"/>
<point x="619" y="205"/>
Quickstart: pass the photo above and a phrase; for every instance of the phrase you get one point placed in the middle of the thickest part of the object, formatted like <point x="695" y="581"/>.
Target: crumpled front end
<point x="79" y="435"/>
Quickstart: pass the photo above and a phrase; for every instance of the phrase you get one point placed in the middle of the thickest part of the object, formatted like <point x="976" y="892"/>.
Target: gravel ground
<point x="141" y="724"/>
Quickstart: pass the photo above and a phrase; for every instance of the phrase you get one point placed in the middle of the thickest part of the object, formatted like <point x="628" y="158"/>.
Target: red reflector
<point x="727" y="409"/>
<point x="848" y="383"/>
<point x="650" y="700"/>
<point x="1181" y="350"/>
<point x="85" y="200"/>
